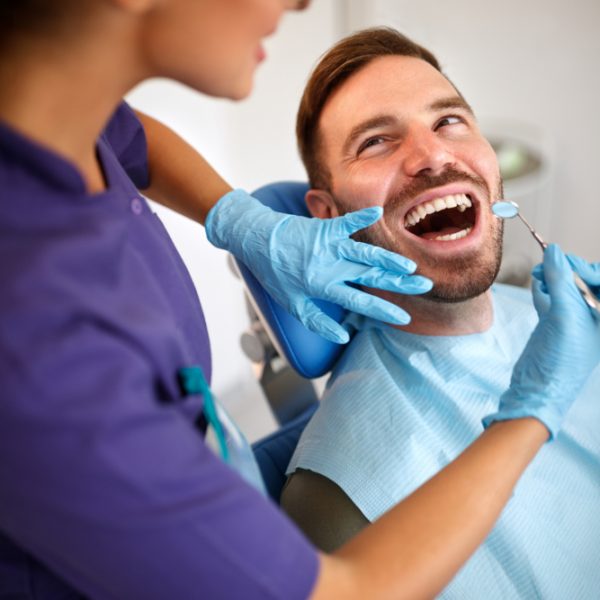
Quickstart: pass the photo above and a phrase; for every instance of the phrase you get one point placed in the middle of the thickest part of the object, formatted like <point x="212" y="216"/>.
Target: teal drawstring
<point x="193" y="382"/>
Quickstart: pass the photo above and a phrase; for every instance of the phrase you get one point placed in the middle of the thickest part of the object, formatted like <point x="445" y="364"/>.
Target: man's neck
<point x="429" y="317"/>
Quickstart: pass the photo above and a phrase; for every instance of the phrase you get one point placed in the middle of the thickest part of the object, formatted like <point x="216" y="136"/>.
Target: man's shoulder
<point x="365" y="347"/>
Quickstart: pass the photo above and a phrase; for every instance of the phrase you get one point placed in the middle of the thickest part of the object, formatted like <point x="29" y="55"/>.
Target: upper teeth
<point x="460" y="201"/>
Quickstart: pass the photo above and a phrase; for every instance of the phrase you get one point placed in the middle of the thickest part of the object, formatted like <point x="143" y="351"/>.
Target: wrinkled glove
<point x="563" y="349"/>
<point x="297" y="259"/>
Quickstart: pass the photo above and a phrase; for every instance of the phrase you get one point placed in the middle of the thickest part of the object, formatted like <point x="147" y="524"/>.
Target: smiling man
<point x="398" y="133"/>
<point x="379" y="123"/>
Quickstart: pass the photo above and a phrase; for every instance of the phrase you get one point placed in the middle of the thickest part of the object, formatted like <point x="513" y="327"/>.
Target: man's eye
<point x="450" y="120"/>
<point x="374" y="141"/>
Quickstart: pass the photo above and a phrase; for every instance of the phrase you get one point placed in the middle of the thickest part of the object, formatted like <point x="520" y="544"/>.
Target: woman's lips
<point x="260" y="54"/>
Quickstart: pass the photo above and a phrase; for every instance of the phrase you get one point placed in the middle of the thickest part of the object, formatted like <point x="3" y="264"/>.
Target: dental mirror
<point x="507" y="209"/>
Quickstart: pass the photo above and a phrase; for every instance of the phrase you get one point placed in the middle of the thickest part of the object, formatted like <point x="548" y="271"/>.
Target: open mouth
<point x="444" y="219"/>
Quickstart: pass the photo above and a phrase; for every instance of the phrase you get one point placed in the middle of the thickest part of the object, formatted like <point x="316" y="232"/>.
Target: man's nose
<point x="424" y="151"/>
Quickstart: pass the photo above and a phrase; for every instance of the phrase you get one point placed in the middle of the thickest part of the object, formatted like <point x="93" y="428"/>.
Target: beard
<point x="467" y="276"/>
<point x="456" y="278"/>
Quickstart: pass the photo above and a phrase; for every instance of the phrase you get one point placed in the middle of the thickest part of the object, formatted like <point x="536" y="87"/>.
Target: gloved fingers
<point x="589" y="272"/>
<point x="538" y="272"/>
<point x="541" y="299"/>
<point x="374" y="256"/>
<point x="313" y="318"/>
<point x="368" y="305"/>
<point x="558" y="276"/>
<point x="383" y="280"/>
<point x="352" y="222"/>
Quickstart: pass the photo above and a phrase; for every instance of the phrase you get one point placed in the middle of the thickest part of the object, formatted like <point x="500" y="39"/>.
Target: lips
<point x="260" y="54"/>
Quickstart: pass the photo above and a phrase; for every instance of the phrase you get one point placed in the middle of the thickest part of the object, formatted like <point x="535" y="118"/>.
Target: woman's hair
<point x="21" y="20"/>
<point x="343" y="60"/>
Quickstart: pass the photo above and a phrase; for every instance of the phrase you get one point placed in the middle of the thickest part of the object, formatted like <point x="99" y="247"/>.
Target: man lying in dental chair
<point x="380" y="124"/>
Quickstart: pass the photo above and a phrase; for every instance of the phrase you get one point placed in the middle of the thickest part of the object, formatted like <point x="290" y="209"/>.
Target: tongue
<point x="431" y="235"/>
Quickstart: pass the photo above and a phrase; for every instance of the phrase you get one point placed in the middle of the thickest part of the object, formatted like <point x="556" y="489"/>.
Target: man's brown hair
<point x="347" y="57"/>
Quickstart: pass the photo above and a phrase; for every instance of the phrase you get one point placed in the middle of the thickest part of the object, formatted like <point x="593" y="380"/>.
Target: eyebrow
<point x="451" y="102"/>
<point x="456" y="102"/>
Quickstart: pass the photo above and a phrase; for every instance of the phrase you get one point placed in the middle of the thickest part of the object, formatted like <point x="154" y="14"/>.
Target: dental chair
<point x="290" y="355"/>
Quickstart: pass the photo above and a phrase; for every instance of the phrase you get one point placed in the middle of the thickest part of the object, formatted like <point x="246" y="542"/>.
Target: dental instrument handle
<point x="534" y="233"/>
<point x="588" y="295"/>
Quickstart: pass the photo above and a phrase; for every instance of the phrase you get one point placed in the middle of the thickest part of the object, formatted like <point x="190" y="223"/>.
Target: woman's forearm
<point x="180" y="178"/>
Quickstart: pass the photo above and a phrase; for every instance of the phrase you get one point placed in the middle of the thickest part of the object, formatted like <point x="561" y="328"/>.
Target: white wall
<point x="251" y="143"/>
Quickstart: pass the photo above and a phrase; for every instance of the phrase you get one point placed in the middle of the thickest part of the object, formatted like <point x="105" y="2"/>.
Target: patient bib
<point x="399" y="407"/>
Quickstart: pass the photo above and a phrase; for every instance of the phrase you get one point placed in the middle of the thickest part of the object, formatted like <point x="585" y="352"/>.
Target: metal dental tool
<point x="506" y="209"/>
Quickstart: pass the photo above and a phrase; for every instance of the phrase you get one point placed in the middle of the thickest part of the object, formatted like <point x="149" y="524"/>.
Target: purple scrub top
<point x="107" y="489"/>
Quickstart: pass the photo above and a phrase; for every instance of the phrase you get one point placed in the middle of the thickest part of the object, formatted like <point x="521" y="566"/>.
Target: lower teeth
<point x="453" y="236"/>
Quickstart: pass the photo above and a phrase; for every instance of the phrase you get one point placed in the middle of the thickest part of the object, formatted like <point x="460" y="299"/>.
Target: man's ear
<point x="320" y="204"/>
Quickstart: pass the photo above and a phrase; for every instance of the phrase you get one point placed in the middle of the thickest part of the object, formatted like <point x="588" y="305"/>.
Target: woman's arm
<point x="180" y="178"/>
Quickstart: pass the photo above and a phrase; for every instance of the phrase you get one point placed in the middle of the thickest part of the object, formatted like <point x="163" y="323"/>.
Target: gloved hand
<point x="563" y="349"/>
<point x="297" y="259"/>
<point x="589" y="272"/>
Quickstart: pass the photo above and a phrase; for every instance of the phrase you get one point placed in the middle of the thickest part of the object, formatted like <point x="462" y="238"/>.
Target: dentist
<point x="106" y="487"/>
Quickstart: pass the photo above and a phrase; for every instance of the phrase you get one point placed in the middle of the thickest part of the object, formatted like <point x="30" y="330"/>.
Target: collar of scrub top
<point x="192" y="381"/>
<point x="54" y="169"/>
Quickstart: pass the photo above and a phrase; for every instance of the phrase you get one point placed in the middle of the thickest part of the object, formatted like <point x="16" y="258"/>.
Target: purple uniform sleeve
<point x="125" y="135"/>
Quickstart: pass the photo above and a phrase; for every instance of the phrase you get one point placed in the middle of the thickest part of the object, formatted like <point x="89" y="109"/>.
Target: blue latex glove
<point x="563" y="349"/>
<point x="589" y="272"/>
<point x="297" y="259"/>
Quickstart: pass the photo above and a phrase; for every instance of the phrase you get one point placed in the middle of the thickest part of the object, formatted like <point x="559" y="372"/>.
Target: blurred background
<point x="529" y="70"/>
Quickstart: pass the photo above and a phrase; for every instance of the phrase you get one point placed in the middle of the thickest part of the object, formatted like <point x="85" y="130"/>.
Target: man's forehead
<point x="389" y="85"/>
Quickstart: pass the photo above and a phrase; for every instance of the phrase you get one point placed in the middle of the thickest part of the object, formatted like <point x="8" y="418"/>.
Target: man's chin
<point x="462" y="284"/>
<point x="455" y="279"/>
<point x="455" y="294"/>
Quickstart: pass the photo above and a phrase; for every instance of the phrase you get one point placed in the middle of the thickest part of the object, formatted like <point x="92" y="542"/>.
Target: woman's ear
<point x="320" y="204"/>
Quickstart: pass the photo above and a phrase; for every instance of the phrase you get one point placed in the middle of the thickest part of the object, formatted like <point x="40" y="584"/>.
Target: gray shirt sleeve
<point x="321" y="509"/>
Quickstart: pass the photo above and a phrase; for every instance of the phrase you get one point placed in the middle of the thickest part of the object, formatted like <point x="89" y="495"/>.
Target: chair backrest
<point x="308" y="353"/>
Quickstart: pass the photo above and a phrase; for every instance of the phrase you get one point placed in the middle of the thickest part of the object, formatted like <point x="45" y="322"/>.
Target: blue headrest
<point x="308" y="353"/>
